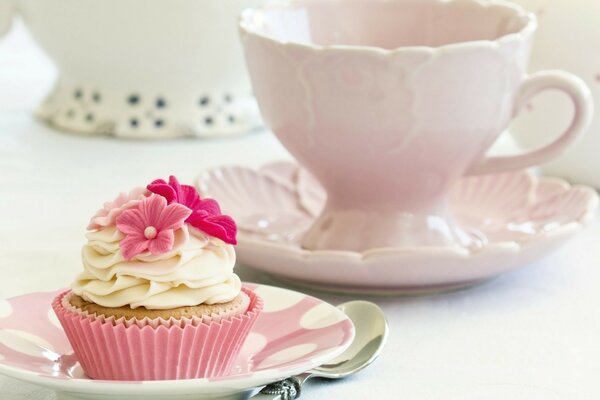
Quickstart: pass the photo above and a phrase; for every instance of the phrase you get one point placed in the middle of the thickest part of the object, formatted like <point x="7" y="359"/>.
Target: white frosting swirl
<point x="199" y="270"/>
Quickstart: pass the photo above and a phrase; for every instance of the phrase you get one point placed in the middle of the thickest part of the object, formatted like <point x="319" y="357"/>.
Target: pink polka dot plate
<point x="516" y="218"/>
<point x="294" y="333"/>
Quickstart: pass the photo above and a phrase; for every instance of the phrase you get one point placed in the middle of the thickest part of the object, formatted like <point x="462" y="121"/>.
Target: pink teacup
<point x="389" y="102"/>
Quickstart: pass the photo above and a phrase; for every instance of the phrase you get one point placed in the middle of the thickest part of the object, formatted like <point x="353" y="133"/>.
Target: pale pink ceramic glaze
<point x="295" y="332"/>
<point x="388" y="103"/>
<point x="516" y="217"/>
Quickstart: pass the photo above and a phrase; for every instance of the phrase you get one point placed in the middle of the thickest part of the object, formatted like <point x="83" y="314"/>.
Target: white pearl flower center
<point x="150" y="232"/>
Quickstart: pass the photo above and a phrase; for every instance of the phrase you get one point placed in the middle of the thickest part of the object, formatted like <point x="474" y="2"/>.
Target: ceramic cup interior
<point x="386" y="24"/>
<point x="389" y="102"/>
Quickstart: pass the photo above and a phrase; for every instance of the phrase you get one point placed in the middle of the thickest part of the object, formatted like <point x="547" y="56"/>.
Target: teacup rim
<point x="531" y="24"/>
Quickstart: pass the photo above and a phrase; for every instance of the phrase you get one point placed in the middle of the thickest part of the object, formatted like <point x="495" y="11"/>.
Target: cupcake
<point x="158" y="298"/>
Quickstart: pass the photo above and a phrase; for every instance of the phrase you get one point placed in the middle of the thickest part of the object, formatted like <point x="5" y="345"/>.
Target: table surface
<point x="531" y="334"/>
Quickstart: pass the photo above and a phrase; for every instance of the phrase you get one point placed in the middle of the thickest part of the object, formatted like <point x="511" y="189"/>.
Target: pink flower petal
<point x="163" y="242"/>
<point x="219" y="226"/>
<point x="172" y="217"/>
<point x="176" y="192"/>
<point x="162" y="188"/>
<point x="174" y="183"/>
<point x="151" y="209"/>
<point x="112" y="209"/>
<point x="189" y="197"/>
<point x="131" y="221"/>
<point x="159" y="182"/>
<point x="209" y="205"/>
<point x="132" y="245"/>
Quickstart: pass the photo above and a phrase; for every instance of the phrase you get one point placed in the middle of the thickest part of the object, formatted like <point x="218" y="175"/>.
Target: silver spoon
<point x="371" y="334"/>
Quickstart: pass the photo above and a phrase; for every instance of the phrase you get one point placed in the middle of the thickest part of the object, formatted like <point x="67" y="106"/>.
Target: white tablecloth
<point x="532" y="334"/>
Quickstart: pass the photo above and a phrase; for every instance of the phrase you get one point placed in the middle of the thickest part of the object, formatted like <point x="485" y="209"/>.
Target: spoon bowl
<point x="371" y="335"/>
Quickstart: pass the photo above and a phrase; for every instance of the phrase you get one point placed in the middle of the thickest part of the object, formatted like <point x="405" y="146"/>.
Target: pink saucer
<point x="294" y="333"/>
<point x="518" y="217"/>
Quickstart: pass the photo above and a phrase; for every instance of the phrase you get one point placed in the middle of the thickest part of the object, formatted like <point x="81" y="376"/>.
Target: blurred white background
<point x="529" y="335"/>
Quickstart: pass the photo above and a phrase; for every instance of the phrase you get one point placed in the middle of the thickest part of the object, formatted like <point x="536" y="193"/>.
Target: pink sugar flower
<point x="175" y="192"/>
<point x="206" y="213"/>
<point x="219" y="226"/>
<point x="150" y="226"/>
<point x="107" y="215"/>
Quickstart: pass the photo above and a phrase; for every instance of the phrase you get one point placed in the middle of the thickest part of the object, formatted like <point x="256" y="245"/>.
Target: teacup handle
<point x="581" y="97"/>
<point x="6" y="16"/>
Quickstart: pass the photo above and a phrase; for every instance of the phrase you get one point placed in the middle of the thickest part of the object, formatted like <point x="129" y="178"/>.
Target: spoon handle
<point x="287" y="389"/>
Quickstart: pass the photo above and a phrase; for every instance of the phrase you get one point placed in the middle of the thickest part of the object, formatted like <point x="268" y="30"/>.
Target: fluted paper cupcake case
<point x="114" y="350"/>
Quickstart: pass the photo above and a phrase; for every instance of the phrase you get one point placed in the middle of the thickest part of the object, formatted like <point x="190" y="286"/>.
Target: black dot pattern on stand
<point x="159" y="123"/>
<point x="70" y="113"/>
<point x="161" y="103"/>
<point x="89" y="117"/>
<point x="204" y="101"/>
<point x="133" y="99"/>
<point x="209" y="120"/>
<point x="228" y="98"/>
<point x="96" y="97"/>
<point x="231" y="119"/>
<point x="78" y="93"/>
<point x="134" y="122"/>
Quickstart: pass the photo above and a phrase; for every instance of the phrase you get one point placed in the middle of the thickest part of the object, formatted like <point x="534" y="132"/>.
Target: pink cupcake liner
<point x="114" y="350"/>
